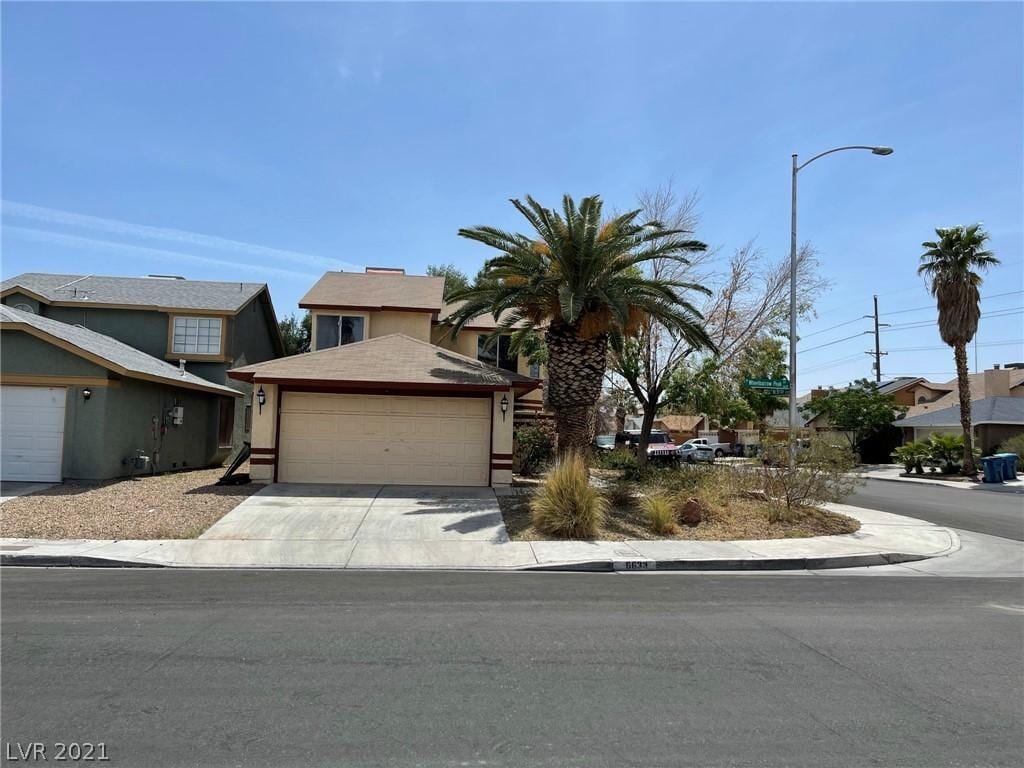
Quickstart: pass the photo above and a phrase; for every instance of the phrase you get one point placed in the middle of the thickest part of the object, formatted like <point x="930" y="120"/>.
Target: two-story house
<point x="387" y="394"/>
<point x="98" y="370"/>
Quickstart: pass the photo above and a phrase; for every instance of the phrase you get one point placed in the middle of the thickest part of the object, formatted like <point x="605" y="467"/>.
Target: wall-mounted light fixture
<point x="86" y="393"/>
<point x="504" y="406"/>
<point x="261" y="398"/>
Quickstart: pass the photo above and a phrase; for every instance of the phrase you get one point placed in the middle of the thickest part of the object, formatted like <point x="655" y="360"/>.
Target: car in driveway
<point x="717" y="449"/>
<point x="660" y="447"/>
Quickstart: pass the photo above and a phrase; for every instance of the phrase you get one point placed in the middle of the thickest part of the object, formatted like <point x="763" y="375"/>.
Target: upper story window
<point x="496" y="354"/>
<point x="334" y="330"/>
<point x="534" y="370"/>
<point x="197" y="335"/>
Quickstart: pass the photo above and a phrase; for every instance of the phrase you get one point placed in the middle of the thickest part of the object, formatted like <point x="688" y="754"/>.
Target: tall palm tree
<point x="578" y="280"/>
<point x="950" y="263"/>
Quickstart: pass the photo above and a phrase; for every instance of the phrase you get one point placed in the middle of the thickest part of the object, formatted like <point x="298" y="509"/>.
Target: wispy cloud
<point x="166" y="235"/>
<point x="142" y="252"/>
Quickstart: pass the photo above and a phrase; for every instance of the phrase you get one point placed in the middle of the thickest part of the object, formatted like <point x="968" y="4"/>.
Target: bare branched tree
<point x="750" y="296"/>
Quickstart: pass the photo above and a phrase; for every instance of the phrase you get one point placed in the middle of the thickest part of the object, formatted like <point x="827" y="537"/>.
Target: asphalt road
<point x="992" y="512"/>
<point x="234" y="668"/>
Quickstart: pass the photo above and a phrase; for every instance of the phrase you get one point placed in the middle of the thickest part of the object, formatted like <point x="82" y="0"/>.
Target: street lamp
<point x="797" y="167"/>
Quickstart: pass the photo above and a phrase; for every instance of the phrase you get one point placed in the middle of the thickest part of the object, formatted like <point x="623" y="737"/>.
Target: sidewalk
<point x="894" y="473"/>
<point x="882" y="539"/>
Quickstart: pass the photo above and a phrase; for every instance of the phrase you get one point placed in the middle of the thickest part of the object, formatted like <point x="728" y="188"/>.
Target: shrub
<point x="620" y="495"/>
<point x="821" y="475"/>
<point x="566" y="505"/>
<point x="947" y="451"/>
<point x="660" y="513"/>
<point x="534" y="448"/>
<point x="912" y="456"/>
<point x="1014" y="445"/>
<point x="619" y="458"/>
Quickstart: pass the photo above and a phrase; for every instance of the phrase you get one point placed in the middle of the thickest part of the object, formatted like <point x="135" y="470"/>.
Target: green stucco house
<point x="99" y="371"/>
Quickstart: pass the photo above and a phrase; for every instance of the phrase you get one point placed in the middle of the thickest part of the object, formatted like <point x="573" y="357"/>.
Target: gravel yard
<point x="173" y="506"/>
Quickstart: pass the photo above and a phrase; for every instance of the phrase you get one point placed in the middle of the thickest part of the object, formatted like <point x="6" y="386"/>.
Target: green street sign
<point x="776" y="386"/>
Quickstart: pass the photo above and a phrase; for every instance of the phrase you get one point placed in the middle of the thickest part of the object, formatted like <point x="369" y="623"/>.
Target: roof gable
<point x="375" y="291"/>
<point x="103" y="350"/>
<point x="989" y="410"/>
<point x="393" y="361"/>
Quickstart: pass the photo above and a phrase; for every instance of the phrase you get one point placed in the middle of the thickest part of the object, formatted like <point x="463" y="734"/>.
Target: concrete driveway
<point x="364" y="513"/>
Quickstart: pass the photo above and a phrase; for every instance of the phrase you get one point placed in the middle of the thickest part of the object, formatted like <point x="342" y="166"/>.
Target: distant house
<point x="680" y="427"/>
<point x="200" y="327"/>
<point x="997" y="409"/>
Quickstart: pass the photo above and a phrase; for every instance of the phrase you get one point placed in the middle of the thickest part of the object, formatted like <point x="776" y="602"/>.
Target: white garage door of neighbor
<point x="329" y="438"/>
<point x="31" y="433"/>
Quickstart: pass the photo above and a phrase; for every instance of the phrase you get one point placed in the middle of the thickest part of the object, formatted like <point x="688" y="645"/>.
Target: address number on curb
<point x="633" y="565"/>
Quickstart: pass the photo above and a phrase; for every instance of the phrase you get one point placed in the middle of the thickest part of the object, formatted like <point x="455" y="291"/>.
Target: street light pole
<point x="797" y="167"/>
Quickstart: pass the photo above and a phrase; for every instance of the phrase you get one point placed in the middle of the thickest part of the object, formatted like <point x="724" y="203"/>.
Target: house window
<point x="248" y="418"/>
<point x="497" y="354"/>
<point x="226" y="422"/>
<point x="334" y="330"/>
<point x="534" y="370"/>
<point x="196" y="335"/>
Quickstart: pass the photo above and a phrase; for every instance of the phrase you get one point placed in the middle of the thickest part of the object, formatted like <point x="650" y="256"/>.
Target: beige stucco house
<point x="387" y="394"/>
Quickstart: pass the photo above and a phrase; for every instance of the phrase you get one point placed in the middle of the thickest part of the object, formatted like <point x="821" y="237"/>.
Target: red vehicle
<point x="659" y="448"/>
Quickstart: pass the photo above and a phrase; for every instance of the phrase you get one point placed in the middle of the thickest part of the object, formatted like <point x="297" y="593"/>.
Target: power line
<point x="832" y="327"/>
<point x="933" y="307"/>
<point x="830" y="343"/>
<point x="946" y="346"/>
<point x="926" y="323"/>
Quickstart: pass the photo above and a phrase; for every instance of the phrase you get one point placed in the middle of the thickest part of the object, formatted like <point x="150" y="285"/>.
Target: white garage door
<point x="375" y="439"/>
<point x="31" y="433"/>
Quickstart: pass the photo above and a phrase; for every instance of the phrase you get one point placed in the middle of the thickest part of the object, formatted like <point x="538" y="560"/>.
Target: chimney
<point x="385" y="271"/>
<point x="818" y="392"/>
<point x="996" y="383"/>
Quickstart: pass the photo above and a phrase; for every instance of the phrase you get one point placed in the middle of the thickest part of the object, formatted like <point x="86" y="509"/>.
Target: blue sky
<point x="271" y="142"/>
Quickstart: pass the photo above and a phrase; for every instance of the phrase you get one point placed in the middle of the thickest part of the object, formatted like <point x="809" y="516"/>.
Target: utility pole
<point x="878" y="346"/>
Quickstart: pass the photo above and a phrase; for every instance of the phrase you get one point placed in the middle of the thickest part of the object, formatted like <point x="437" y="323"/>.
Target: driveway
<point x="363" y="513"/>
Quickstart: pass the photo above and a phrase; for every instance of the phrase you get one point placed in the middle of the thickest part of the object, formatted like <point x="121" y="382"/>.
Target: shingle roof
<point x="357" y="290"/>
<point x="989" y="410"/>
<point x="136" y="291"/>
<point x="111" y="353"/>
<point x="396" y="359"/>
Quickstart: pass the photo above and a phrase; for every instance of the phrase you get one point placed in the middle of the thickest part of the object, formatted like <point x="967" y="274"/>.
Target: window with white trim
<point x="196" y="335"/>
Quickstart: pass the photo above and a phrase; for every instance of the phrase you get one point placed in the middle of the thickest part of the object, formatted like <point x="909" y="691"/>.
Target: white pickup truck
<point x="705" y="449"/>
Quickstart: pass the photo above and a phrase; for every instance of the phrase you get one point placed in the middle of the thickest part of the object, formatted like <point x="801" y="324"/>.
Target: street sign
<point x="774" y="386"/>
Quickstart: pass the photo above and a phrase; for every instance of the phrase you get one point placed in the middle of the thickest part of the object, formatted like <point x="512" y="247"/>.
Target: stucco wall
<point x="144" y="330"/>
<point x="116" y="420"/>
<point x="501" y="441"/>
<point x="264" y="437"/>
<point x="414" y="324"/>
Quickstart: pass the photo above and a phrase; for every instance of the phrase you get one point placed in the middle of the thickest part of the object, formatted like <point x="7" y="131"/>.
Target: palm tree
<point x="578" y="280"/>
<point x="950" y="264"/>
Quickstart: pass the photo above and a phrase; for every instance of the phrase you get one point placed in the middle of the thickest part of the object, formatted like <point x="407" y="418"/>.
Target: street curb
<point x="73" y="561"/>
<point x="762" y="564"/>
<point x="911" y="482"/>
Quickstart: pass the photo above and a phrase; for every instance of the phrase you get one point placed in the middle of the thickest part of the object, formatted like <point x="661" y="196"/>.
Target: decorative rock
<point x="691" y="513"/>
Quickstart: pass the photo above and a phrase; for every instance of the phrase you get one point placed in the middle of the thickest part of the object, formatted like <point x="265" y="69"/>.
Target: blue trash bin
<point x="992" y="466"/>
<point x="1009" y="465"/>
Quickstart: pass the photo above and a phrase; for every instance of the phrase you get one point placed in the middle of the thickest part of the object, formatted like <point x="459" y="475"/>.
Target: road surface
<point x="233" y="668"/>
<point x="992" y="512"/>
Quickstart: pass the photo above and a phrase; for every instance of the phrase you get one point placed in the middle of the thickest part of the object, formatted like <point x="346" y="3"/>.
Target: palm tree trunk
<point x="964" y="388"/>
<point x="576" y="369"/>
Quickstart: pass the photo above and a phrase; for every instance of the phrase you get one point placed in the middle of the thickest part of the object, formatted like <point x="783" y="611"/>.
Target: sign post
<point x="778" y="386"/>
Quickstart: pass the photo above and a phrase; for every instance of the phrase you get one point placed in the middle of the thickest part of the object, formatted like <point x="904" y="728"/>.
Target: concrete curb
<point x="947" y="484"/>
<point x="884" y="539"/>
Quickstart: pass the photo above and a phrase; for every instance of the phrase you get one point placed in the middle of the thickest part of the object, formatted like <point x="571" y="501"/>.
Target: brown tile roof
<point x="680" y="422"/>
<point x="357" y="290"/>
<point x="395" y="361"/>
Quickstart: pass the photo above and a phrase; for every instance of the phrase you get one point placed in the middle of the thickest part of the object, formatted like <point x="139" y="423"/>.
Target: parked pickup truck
<point x="659" y="447"/>
<point x="705" y="447"/>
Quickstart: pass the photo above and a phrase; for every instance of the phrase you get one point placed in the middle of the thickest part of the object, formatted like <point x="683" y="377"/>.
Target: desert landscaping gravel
<point x="173" y="506"/>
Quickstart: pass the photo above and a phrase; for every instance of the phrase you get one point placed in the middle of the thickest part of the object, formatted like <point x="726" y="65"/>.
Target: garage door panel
<point x="378" y="439"/>
<point x="31" y="433"/>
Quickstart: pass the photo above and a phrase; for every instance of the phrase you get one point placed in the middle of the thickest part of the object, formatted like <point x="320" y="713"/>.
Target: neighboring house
<point x="680" y="427"/>
<point x="79" y="404"/>
<point x="212" y="326"/>
<point x="997" y="409"/>
<point x="388" y="395"/>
